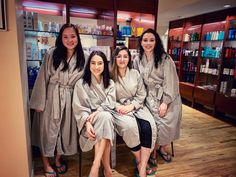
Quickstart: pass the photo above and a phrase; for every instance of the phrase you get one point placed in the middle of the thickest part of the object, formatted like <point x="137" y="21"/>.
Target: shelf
<point x="191" y="41"/>
<point x="205" y="88"/>
<point x="226" y="104"/>
<point x="130" y="37"/>
<point x="186" y="90"/>
<point x="209" y="74"/>
<point x="187" y="84"/>
<point x="212" y="40"/>
<point x="228" y="76"/>
<point x="174" y="56"/>
<point x="190" y="57"/>
<point x="192" y="72"/>
<point x="175" y="41"/>
<point x="229" y="59"/>
<point x="98" y="35"/>
<point x="204" y="96"/>
<point x="212" y="58"/>
<point x="230" y="40"/>
<point x="35" y="60"/>
<point x="36" y="31"/>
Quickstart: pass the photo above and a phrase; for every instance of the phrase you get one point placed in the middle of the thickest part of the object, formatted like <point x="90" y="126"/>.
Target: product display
<point x="207" y="59"/>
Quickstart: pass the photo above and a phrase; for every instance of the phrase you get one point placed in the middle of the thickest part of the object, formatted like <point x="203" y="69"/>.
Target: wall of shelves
<point x="102" y="24"/>
<point x="207" y="59"/>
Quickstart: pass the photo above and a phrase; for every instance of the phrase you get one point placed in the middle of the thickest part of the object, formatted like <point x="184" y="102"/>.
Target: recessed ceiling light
<point x="227" y="5"/>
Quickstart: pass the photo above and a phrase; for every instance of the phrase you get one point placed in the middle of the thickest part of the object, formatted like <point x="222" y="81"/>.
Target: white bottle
<point x="30" y="21"/>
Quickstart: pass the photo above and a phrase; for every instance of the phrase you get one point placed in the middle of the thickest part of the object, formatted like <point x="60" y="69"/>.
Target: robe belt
<point x="59" y="104"/>
<point x="156" y="91"/>
<point x="126" y="101"/>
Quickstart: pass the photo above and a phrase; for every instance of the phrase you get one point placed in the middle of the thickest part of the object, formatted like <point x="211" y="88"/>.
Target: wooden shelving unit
<point x="207" y="59"/>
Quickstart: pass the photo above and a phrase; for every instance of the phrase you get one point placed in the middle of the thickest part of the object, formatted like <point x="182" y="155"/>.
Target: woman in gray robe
<point x="161" y="80"/>
<point x="54" y="129"/>
<point x="130" y="95"/>
<point x="93" y="103"/>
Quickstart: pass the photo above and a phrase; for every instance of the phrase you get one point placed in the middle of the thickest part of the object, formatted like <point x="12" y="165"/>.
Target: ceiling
<point x="169" y="10"/>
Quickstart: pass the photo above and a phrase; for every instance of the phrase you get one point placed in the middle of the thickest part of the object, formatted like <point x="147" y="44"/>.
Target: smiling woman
<point x="3" y="19"/>
<point x="51" y="99"/>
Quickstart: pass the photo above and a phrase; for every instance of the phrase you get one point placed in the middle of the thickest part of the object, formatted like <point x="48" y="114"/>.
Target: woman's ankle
<point x="94" y="171"/>
<point x="107" y="172"/>
<point x="48" y="168"/>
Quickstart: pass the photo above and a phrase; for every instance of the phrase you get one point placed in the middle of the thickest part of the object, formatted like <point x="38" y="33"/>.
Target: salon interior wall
<point x="14" y="124"/>
<point x="163" y="32"/>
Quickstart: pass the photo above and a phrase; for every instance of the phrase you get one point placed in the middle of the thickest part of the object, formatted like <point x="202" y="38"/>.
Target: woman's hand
<point x="162" y="110"/>
<point x="90" y="131"/>
<point x="38" y="110"/>
<point x="125" y="109"/>
<point x="92" y="116"/>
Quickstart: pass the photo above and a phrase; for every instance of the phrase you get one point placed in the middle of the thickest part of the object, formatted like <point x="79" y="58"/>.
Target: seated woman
<point x="130" y="95"/>
<point x="93" y="102"/>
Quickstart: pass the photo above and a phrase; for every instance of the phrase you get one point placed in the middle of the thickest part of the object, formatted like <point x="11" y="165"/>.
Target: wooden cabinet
<point x="207" y="59"/>
<point x="175" y="42"/>
<point x="226" y="93"/>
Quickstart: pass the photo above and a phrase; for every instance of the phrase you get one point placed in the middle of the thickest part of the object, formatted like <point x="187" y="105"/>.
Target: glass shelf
<point x="175" y="41"/>
<point x="35" y="60"/>
<point x="191" y="41"/>
<point x="211" y="58"/>
<point x="212" y="40"/>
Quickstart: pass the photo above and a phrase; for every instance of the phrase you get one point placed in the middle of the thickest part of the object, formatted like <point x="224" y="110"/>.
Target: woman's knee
<point x="144" y="126"/>
<point x="105" y="116"/>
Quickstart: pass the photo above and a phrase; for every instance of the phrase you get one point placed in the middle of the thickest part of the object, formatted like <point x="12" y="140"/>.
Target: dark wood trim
<point x="156" y="15"/>
<point x="67" y="12"/>
<point x="115" y="23"/>
<point x="176" y="23"/>
<point x="141" y="6"/>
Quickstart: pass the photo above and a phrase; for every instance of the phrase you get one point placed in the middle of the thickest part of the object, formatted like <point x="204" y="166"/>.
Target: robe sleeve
<point x="80" y="104"/>
<point x="135" y="63"/>
<point x="171" y="81"/>
<point x="141" y="93"/>
<point x="39" y="93"/>
<point x="110" y="102"/>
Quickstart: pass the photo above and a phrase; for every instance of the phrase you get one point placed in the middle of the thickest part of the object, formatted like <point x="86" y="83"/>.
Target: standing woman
<point x="54" y="128"/>
<point x="163" y="99"/>
<point x="93" y="101"/>
<point x="130" y="95"/>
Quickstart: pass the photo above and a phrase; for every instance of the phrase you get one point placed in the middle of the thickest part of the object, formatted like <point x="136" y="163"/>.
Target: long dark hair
<point x="158" y="49"/>
<point x="105" y="73"/>
<point x="114" y="70"/>
<point x="60" y="52"/>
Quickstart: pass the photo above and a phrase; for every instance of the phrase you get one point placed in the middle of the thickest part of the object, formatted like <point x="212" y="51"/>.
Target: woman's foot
<point x="152" y="160"/>
<point x="94" y="170"/>
<point x="61" y="166"/>
<point x="150" y="171"/>
<point x="164" y="155"/>
<point x="107" y="173"/>
<point x="49" y="172"/>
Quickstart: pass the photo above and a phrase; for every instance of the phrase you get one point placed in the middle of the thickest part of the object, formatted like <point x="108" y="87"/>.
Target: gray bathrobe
<point x="55" y="127"/>
<point x="130" y="90"/>
<point x="88" y="99"/>
<point x="162" y="85"/>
